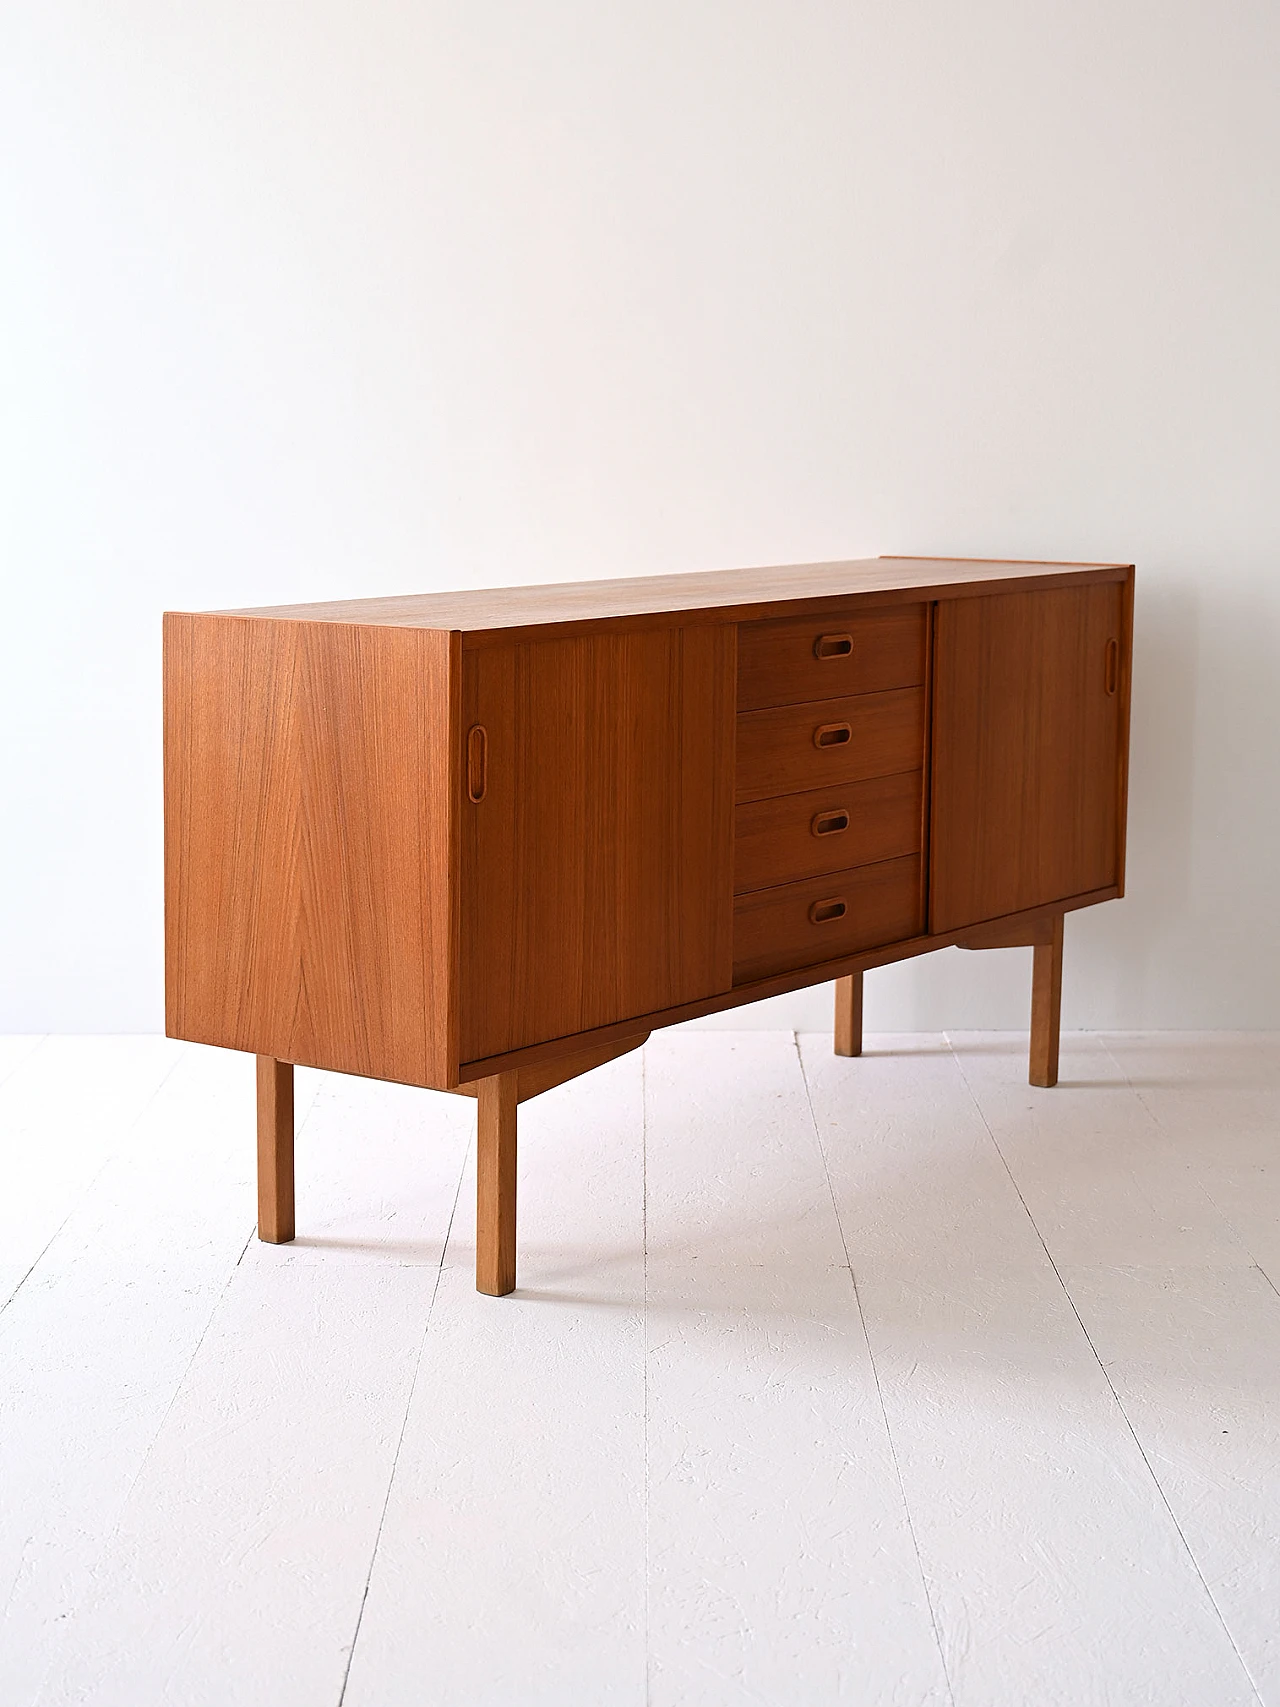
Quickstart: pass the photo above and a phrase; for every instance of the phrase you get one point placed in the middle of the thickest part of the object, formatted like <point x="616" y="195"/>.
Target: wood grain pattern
<point x="774" y="984"/>
<point x="496" y="1185"/>
<point x="1027" y="745"/>
<point x="774" y="930"/>
<point x="792" y="836"/>
<point x="317" y="885"/>
<point x="733" y="594"/>
<point x="275" y="1151"/>
<point x="779" y="663"/>
<point x="597" y="871"/>
<point x="310" y="786"/>
<point x="1046" y="1007"/>
<point x="186" y="1432"/>
<point x="502" y="850"/>
<point x="778" y="754"/>
<point x="848" y="1027"/>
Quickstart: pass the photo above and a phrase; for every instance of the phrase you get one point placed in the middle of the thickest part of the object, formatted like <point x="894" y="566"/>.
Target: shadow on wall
<point x="1126" y="946"/>
<point x="1204" y="813"/>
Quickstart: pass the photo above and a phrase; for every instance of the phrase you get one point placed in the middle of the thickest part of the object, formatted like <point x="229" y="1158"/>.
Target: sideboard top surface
<point x="745" y="592"/>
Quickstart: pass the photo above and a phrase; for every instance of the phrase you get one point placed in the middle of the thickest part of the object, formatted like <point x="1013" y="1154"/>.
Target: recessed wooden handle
<point x="477" y="763"/>
<point x="832" y="734"/>
<point x="822" y="912"/>
<point x="1111" y="669"/>
<point x="833" y="646"/>
<point x="830" y="823"/>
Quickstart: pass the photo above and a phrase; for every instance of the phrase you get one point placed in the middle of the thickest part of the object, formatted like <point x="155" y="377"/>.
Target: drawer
<point x="805" y="924"/>
<point x="826" y="829"/>
<point x="795" y="747"/>
<point x="825" y="657"/>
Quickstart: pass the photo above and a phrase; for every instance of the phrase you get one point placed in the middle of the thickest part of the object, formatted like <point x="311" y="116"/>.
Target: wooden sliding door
<point x="1029" y="733"/>
<point x="597" y="830"/>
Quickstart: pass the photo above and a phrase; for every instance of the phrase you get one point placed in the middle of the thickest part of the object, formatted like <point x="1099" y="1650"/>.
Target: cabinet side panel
<point x="308" y="802"/>
<point x="1026" y="743"/>
<point x="232" y="832"/>
<point x="375" y="748"/>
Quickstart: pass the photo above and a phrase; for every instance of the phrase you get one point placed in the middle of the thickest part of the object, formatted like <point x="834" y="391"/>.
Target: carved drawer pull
<point x="833" y="646"/>
<point x="477" y="763"/>
<point x="832" y="734"/>
<point x="823" y="912"/>
<point x="830" y="823"/>
<point x="1111" y="676"/>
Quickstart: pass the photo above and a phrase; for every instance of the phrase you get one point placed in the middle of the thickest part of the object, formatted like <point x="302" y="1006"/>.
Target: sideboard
<point x="486" y="841"/>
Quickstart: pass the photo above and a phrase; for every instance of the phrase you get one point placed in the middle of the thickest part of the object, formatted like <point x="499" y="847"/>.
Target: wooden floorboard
<point x="511" y="1562"/>
<point x="1205" y="1407"/>
<point x="66" y="1108"/>
<point x="237" y="1558"/>
<point x="885" y="1380"/>
<point x="1056" y="1573"/>
<point x="1150" y="1184"/>
<point x="95" y="1346"/>
<point x="14" y="1050"/>
<point x="781" y="1560"/>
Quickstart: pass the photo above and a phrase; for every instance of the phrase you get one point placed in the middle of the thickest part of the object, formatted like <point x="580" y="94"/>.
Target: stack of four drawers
<point x="829" y="814"/>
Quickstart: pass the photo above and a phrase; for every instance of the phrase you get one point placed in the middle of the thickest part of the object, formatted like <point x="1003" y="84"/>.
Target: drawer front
<point x="826" y="829"/>
<point x="829" y="741"/>
<point x="805" y="924"/>
<point x="826" y="657"/>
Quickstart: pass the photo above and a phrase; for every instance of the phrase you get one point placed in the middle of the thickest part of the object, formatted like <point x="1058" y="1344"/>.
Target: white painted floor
<point x="878" y="1381"/>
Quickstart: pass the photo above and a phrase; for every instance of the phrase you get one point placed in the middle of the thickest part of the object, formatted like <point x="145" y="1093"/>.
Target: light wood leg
<point x="496" y="1184"/>
<point x="1046" y="1007"/>
<point x="848" y="1036"/>
<point x="275" y="1150"/>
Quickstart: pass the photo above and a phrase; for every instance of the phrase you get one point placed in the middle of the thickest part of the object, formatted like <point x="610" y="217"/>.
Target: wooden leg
<point x="1046" y="1007"/>
<point x="848" y="1038"/>
<point x="275" y="1150"/>
<point x="496" y="1184"/>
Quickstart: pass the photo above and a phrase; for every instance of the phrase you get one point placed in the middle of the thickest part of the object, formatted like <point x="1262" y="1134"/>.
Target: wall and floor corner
<point x="303" y="305"/>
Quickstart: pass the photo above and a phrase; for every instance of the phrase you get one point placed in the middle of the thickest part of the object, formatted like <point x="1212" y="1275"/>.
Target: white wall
<point x="310" y="301"/>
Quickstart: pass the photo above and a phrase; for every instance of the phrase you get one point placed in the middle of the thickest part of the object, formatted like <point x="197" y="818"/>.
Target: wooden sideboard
<point x="483" y="842"/>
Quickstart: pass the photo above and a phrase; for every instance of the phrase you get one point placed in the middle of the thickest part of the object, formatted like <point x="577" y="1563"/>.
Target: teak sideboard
<point x="486" y="841"/>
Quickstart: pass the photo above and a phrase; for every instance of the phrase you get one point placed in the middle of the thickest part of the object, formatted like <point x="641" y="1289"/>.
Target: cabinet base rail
<point x="499" y="1095"/>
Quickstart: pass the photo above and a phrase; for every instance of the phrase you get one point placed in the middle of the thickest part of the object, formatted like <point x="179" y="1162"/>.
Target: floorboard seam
<point x="89" y="1183"/>
<point x="875" y="1376"/>
<point x="1205" y="1193"/>
<point x="404" y="1424"/>
<point x="22" y="1060"/>
<point x="1119" y="1066"/>
<point x="1155" y="1480"/>
<point x="178" y="1385"/>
